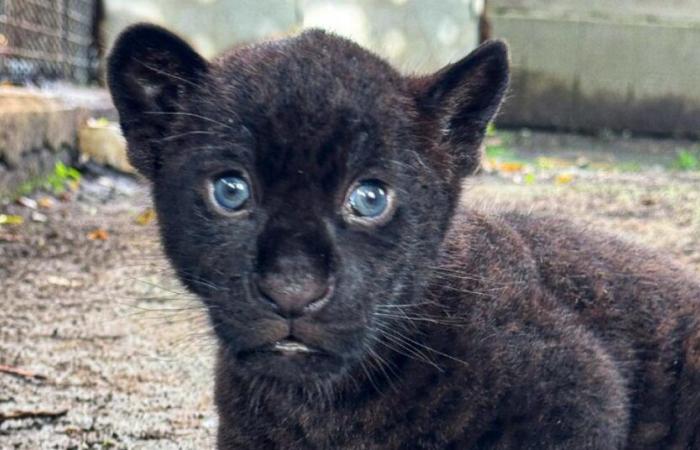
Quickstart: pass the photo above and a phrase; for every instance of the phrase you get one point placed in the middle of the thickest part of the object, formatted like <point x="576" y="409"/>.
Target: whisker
<point x="189" y="114"/>
<point x="173" y="137"/>
<point x="167" y="74"/>
<point x="406" y="345"/>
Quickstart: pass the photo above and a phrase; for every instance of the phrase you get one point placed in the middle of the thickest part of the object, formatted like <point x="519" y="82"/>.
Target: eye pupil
<point x="231" y="192"/>
<point x="369" y="199"/>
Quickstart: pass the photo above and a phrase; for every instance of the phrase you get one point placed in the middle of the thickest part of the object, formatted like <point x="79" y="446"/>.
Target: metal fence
<point x="44" y="40"/>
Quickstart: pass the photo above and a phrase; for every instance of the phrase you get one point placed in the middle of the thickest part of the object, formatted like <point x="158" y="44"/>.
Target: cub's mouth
<point x="289" y="359"/>
<point x="285" y="347"/>
<point x="289" y="346"/>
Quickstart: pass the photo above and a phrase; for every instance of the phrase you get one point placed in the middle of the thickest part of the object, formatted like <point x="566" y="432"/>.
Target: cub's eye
<point x="369" y="199"/>
<point x="231" y="192"/>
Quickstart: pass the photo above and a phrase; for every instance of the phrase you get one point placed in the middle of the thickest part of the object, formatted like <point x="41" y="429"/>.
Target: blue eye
<point x="369" y="199"/>
<point x="231" y="192"/>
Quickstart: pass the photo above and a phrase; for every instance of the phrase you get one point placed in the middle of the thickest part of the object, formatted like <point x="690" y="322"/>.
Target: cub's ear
<point x="150" y="72"/>
<point x="463" y="97"/>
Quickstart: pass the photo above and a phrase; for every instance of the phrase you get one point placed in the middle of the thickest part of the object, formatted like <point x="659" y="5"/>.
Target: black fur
<point x="444" y="327"/>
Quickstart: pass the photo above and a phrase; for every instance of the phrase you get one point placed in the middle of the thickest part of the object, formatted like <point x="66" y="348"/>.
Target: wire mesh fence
<point x="44" y="40"/>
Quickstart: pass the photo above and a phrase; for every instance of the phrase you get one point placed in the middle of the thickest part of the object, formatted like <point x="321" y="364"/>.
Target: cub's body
<point x="309" y="194"/>
<point x="532" y="331"/>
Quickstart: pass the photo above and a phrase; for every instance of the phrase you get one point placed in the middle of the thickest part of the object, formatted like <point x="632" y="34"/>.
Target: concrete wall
<point x="37" y="127"/>
<point x="578" y="65"/>
<point x="416" y="35"/>
<point x="652" y="10"/>
<point x="617" y="65"/>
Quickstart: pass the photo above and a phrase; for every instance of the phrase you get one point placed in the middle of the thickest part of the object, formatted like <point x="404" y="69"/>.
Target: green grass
<point x="687" y="160"/>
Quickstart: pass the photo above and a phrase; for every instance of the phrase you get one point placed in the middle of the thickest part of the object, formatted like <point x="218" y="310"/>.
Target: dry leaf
<point x="98" y="235"/>
<point x="511" y="167"/>
<point x="45" y="202"/>
<point x="146" y="217"/>
<point x="564" y="178"/>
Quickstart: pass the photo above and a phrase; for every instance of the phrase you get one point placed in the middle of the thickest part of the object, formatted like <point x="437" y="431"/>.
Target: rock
<point x="102" y="142"/>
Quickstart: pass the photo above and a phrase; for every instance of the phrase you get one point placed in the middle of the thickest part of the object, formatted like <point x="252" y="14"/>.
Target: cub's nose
<point x="293" y="298"/>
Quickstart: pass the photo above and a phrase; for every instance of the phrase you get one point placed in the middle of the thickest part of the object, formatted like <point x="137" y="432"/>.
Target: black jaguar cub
<point x="310" y="195"/>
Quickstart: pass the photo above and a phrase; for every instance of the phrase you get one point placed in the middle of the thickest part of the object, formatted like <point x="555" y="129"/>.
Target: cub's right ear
<point x="150" y="72"/>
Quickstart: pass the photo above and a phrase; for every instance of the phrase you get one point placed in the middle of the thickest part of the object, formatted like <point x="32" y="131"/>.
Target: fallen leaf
<point x="511" y="167"/>
<point x="564" y="178"/>
<point x="98" y="235"/>
<point x="45" y="202"/>
<point x="9" y="219"/>
<point x="146" y="217"/>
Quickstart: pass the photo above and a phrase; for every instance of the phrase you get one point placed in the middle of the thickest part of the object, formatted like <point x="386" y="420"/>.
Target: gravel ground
<point x="122" y="358"/>
<point x="125" y="354"/>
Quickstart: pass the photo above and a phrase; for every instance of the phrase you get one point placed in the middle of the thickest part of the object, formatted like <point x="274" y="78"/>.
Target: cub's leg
<point x="685" y="432"/>
<point x="564" y="393"/>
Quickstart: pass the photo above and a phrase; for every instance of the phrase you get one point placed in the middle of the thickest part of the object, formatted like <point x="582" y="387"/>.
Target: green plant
<point x="497" y="145"/>
<point x="61" y="176"/>
<point x="55" y="182"/>
<point x="499" y="152"/>
<point x="687" y="160"/>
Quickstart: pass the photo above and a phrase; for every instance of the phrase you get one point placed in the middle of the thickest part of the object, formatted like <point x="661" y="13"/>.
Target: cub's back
<point x="641" y="306"/>
<point x="616" y="287"/>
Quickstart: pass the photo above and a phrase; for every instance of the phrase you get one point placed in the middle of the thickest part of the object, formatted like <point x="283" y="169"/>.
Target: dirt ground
<point x="117" y="356"/>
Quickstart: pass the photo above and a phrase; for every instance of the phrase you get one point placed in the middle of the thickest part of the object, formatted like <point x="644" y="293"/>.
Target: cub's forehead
<point x="314" y="103"/>
<point x="313" y="72"/>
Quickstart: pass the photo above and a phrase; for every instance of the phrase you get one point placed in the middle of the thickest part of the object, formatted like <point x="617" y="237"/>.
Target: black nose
<point x="295" y="297"/>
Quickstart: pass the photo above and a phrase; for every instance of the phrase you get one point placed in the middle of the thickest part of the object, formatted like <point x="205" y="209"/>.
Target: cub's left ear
<point x="463" y="97"/>
<point x="150" y="72"/>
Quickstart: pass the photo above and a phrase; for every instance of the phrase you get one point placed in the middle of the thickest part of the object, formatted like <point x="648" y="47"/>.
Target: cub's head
<point x="301" y="185"/>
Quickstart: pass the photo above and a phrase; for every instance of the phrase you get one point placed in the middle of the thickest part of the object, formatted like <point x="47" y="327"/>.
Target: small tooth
<point x="292" y="347"/>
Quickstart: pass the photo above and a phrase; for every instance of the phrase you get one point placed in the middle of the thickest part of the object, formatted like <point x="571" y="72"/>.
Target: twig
<point x="22" y="373"/>
<point x="18" y="415"/>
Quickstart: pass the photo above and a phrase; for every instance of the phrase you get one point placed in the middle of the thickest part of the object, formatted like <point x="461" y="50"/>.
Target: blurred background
<point x="101" y="348"/>
<point x="583" y="66"/>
